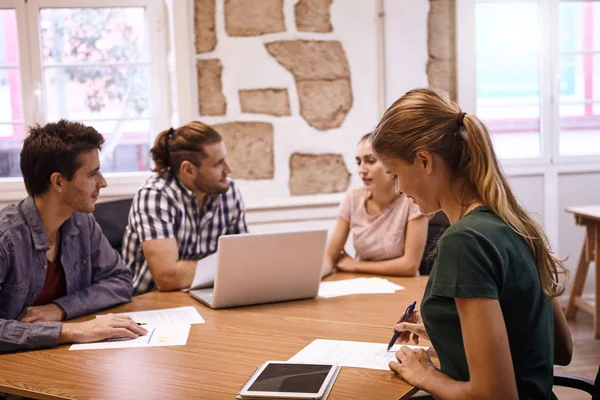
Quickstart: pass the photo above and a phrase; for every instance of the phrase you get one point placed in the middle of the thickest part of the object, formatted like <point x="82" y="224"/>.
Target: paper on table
<point x="357" y="286"/>
<point x="383" y="282"/>
<point x="171" y="335"/>
<point x="206" y="270"/>
<point x="349" y="354"/>
<point x="167" y="316"/>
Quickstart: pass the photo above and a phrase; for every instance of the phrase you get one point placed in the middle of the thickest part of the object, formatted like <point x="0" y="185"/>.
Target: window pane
<point x="11" y="140"/>
<point x="96" y="92"/>
<point x="579" y="142"/>
<point x="579" y="111"/>
<point x="577" y="72"/>
<point x="505" y="80"/>
<point x="11" y="105"/>
<point x="508" y="75"/>
<point x="96" y="70"/>
<point x="578" y="30"/>
<point x="92" y="35"/>
<point x="579" y="107"/>
<point x="579" y="129"/>
<point x="507" y="28"/>
<point x="126" y="147"/>
<point x="515" y="130"/>
<point x="9" y="45"/>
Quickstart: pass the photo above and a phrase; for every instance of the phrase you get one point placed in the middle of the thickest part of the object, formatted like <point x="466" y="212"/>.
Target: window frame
<point x="549" y="82"/>
<point x="119" y="183"/>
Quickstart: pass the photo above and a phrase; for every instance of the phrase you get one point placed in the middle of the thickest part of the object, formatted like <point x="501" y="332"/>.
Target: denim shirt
<point x="95" y="274"/>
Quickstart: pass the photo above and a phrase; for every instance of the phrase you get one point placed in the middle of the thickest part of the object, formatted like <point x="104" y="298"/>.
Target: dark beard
<point x="208" y="188"/>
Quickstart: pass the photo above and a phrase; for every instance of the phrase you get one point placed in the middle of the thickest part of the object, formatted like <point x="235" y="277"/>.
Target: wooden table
<point x="590" y="218"/>
<point x="221" y="354"/>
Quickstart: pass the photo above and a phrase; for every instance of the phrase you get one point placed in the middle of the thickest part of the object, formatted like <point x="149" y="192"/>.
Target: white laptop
<point x="265" y="268"/>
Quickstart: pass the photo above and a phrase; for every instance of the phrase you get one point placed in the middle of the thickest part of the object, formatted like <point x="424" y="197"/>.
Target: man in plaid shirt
<point x="178" y="215"/>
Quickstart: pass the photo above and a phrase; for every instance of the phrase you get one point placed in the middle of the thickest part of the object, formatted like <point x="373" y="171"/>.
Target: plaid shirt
<point x="163" y="208"/>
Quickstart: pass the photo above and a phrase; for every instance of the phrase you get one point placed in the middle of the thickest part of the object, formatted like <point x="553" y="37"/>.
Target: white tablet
<point x="290" y="380"/>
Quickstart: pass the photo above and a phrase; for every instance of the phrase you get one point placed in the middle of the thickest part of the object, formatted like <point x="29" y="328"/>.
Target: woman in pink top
<point x="389" y="232"/>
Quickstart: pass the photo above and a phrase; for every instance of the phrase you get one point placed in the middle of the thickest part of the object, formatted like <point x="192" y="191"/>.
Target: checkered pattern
<point x="163" y="208"/>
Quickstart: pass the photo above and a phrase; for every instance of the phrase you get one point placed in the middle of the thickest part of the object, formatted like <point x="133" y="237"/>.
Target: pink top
<point x="380" y="236"/>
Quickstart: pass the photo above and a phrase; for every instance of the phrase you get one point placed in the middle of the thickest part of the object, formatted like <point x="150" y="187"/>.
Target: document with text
<point x="167" y="316"/>
<point x="166" y="327"/>
<point x="350" y="354"/>
<point x="172" y="335"/>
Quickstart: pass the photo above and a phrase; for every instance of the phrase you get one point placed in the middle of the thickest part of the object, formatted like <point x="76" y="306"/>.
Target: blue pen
<point x="409" y="310"/>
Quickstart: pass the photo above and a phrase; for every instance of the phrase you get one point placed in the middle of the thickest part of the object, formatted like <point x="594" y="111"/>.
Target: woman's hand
<point x="412" y="365"/>
<point x="346" y="263"/>
<point x="412" y="326"/>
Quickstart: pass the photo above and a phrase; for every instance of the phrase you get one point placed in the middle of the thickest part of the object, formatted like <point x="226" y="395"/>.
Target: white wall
<point x="406" y="51"/>
<point x="529" y="190"/>
<point x="248" y="65"/>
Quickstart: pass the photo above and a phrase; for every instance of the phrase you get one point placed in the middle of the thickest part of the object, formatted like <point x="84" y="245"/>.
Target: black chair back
<point x="112" y="217"/>
<point x="437" y="225"/>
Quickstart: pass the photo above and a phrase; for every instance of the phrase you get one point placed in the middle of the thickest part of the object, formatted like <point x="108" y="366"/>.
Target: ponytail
<point x="492" y="187"/>
<point x="186" y="143"/>
<point x="160" y="151"/>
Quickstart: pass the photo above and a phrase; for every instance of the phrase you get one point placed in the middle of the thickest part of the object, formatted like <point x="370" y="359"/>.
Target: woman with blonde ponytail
<point x="489" y="308"/>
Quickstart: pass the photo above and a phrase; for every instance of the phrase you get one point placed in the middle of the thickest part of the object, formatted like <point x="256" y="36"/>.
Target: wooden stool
<point x="589" y="217"/>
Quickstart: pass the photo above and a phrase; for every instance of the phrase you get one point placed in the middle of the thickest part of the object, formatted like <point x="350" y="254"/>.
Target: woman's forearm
<point x="442" y="387"/>
<point x="400" y="266"/>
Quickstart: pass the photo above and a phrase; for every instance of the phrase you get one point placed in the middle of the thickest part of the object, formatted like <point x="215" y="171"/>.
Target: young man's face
<point x="82" y="191"/>
<point x="211" y="176"/>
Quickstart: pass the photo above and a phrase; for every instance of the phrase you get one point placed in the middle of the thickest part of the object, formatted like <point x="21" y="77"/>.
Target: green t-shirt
<point x="481" y="256"/>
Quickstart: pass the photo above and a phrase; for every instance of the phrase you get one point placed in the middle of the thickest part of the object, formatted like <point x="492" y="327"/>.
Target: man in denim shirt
<point x="55" y="263"/>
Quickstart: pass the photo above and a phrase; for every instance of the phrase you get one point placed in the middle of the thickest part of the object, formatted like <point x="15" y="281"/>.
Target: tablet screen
<point x="293" y="378"/>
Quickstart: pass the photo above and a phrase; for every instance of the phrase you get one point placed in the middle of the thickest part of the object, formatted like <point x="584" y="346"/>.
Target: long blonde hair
<point x="424" y="120"/>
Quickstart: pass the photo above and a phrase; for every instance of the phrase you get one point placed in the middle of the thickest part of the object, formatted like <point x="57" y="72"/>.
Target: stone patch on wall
<point x="311" y="59"/>
<point x="253" y="17"/>
<point x="206" y="36"/>
<point x="321" y="73"/>
<point x="441" y="42"/>
<point x="318" y="173"/>
<point x="265" y="101"/>
<point x="325" y="104"/>
<point x="322" y="76"/>
<point x="211" y="100"/>
<point x="313" y="16"/>
<point x="249" y="147"/>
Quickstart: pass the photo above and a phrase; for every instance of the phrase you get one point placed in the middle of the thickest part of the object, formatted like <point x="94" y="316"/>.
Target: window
<point x="99" y="64"/>
<point x="533" y="65"/>
<point x="579" y="92"/>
